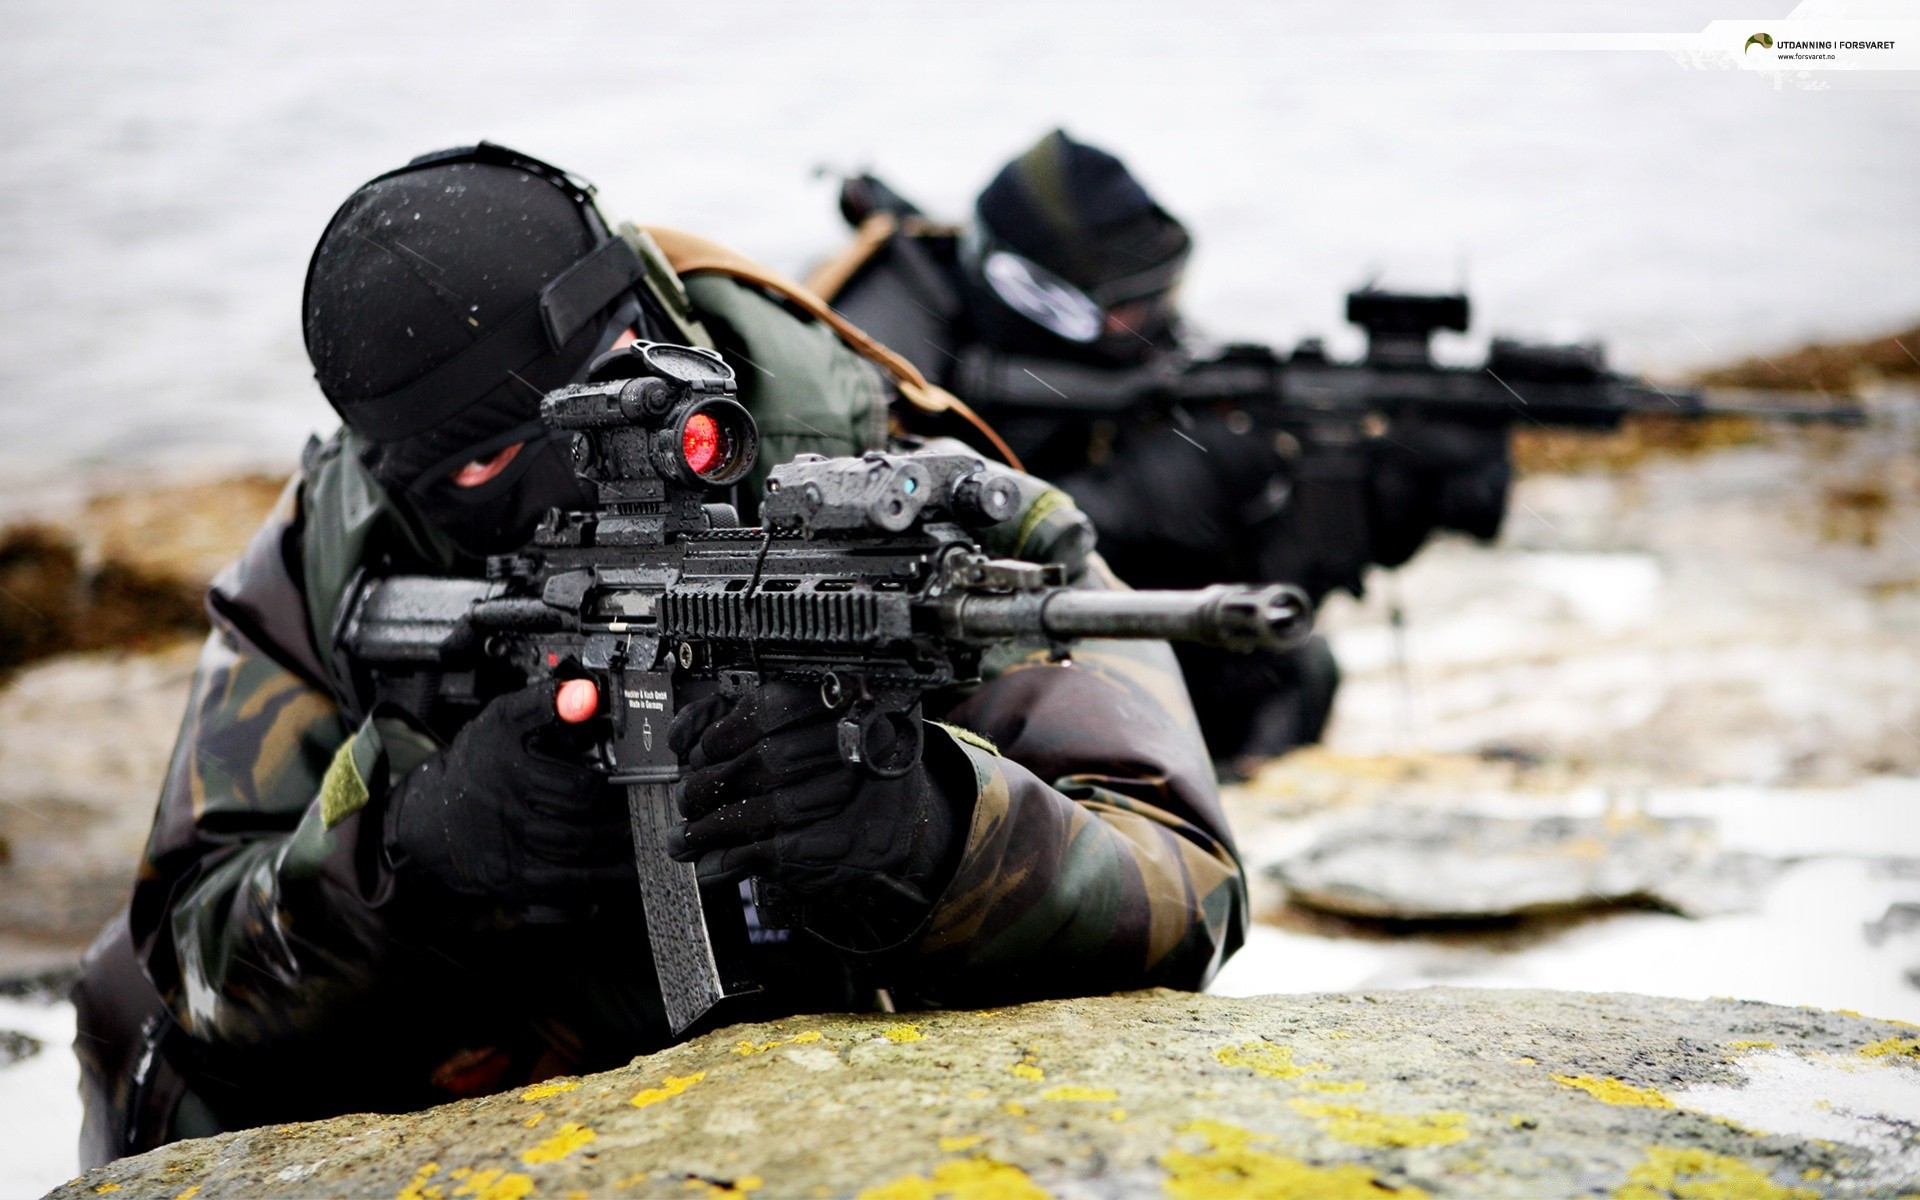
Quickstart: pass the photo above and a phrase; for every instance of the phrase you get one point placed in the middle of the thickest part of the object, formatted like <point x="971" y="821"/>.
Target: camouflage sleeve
<point x="257" y="912"/>
<point x="1098" y="858"/>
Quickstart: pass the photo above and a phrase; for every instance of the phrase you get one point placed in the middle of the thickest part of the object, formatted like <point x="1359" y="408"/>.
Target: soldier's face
<point x="485" y="470"/>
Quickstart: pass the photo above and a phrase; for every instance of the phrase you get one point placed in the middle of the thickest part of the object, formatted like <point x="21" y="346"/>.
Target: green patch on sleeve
<point x="343" y="791"/>
<point x="976" y="740"/>
<point x="1036" y="512"/>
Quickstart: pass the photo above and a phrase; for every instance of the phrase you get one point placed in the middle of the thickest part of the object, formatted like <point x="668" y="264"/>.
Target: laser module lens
<point x="700" y="441"/>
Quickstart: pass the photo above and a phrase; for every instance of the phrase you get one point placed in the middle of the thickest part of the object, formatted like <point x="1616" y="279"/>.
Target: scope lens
<point x="703" y="443"/>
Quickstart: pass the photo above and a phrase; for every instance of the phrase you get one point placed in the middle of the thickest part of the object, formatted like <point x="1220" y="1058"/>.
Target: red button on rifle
<point x="576" y="700"/>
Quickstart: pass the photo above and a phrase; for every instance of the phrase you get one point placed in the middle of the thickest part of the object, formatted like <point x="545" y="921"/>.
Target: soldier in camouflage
<point x="335" y="917"/>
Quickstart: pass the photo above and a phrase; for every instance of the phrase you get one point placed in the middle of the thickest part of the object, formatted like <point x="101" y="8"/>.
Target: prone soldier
<point x="1069" y="260"/>
<point x="1053" y="313"/>
<point x="356" y="910"/>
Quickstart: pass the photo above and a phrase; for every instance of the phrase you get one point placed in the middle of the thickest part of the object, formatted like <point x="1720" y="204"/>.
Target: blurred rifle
<point x="1307" y="393"/>
<point x="1365" y="457"/>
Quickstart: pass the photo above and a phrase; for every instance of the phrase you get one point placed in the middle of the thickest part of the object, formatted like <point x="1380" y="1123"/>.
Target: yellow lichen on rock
<point x="1893" y="1048"/>
<point x="541" y="1091"/>
<point x="1333" y="1085"/>
<point x="1750" y="1044"/>
<point x="496" y="1185"/>
<point x="412" y="1190"/>
<point x="673" y="1086"/>
<point x="1028" y="1068"/>
<point x="1070" y="1094"/>
<point x="1232" y="1169"/>
<point x="799" y="1039"/>
<point x="1382" y="1130"/>
<point x="565" y="1141"/>
<point x="492" y="1184"/>
<point x="1695" y="1174"/>
<point x="1615" y="1091"/>
<point x="961" y="1179"/>
<point x="959" y="1142"/>
<point x="902" y="1033"/>
<point x="1265" y="1058"/>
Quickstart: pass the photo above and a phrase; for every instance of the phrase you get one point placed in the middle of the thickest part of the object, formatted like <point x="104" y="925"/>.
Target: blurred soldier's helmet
<point x="1070" y="255"/>
<point x="442" y="302"/>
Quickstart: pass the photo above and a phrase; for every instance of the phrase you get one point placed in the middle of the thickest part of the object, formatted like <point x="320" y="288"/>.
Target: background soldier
<point x="1069" y="258"/>
<point x="346" y="916"/>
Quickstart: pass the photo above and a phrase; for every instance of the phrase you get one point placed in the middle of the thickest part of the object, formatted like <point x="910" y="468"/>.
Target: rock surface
<point x="1436" y="1092"/>
<point x="84" y="741"/>
<point x="1412" y="864"/>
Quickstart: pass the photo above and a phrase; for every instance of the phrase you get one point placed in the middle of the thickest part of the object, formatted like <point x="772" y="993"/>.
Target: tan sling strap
<point x="689" y="254"/>
<point x="826" y="280"/>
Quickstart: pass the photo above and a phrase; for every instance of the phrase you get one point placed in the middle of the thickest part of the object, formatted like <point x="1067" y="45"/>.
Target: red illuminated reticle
<point x="701" y="442"/>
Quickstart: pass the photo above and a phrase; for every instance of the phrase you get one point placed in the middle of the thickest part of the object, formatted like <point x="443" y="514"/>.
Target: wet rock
<point x="186" y="530"/>
<point x="84" y="742"/>
<point x="127" y="570"/>
<point x="15" y="1046"/>
<point x="1901" y="919"/>
<point x="45" y="985"/>
<point x="52" y="602"/>
<point x="1436" y="1092"/>
<point x="1416" y="864"/>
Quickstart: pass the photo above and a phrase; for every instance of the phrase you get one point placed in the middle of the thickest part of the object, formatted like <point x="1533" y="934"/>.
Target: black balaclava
<point x="443" y="301"/>
<point x="1076" y="213"/>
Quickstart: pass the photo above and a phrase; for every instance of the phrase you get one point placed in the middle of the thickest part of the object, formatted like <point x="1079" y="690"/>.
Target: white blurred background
<point x="165" y="170"/>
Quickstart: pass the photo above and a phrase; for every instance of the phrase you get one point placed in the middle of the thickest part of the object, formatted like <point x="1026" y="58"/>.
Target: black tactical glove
<point x="1176" y="505"/>
<point x="767" y="795"/>
<point x="1436" y="474"/>
<point x="510" y="811"/>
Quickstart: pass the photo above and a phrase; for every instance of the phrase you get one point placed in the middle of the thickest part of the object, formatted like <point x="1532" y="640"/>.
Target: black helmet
<point x="1066" y="241"/>
<point x="443" y="300"/>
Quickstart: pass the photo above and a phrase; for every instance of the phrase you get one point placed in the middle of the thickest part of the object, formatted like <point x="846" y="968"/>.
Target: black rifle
<point x="1340" y="428"/>
<point x="1308" y="394"/>
<point x="866" y="580"/>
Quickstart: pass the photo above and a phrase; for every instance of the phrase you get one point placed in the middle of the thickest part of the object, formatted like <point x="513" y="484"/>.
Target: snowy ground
<point x="1718" y="637"/>
<point x="1807" y="944"/>
<point x="39" y="1107"/>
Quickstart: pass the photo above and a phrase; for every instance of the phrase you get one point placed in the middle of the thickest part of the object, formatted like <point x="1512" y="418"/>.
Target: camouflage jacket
<point x="306" y="980"/>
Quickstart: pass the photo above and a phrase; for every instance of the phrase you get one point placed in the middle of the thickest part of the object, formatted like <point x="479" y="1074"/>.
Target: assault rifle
<point x="1307" y="393"/>
<point x="1338" y="429"/>
<point x="868" y="579"/>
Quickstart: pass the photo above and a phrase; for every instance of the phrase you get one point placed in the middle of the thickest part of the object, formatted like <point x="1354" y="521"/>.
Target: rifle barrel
<point x="1233" y="616"/>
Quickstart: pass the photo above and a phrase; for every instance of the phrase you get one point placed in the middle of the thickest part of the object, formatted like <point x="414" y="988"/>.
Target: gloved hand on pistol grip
<point x="511" y="811"/>
<point x="767" y="795"/>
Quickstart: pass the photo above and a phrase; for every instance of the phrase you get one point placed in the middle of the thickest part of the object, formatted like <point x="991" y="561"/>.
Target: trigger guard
<point x="857" y="727"/>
